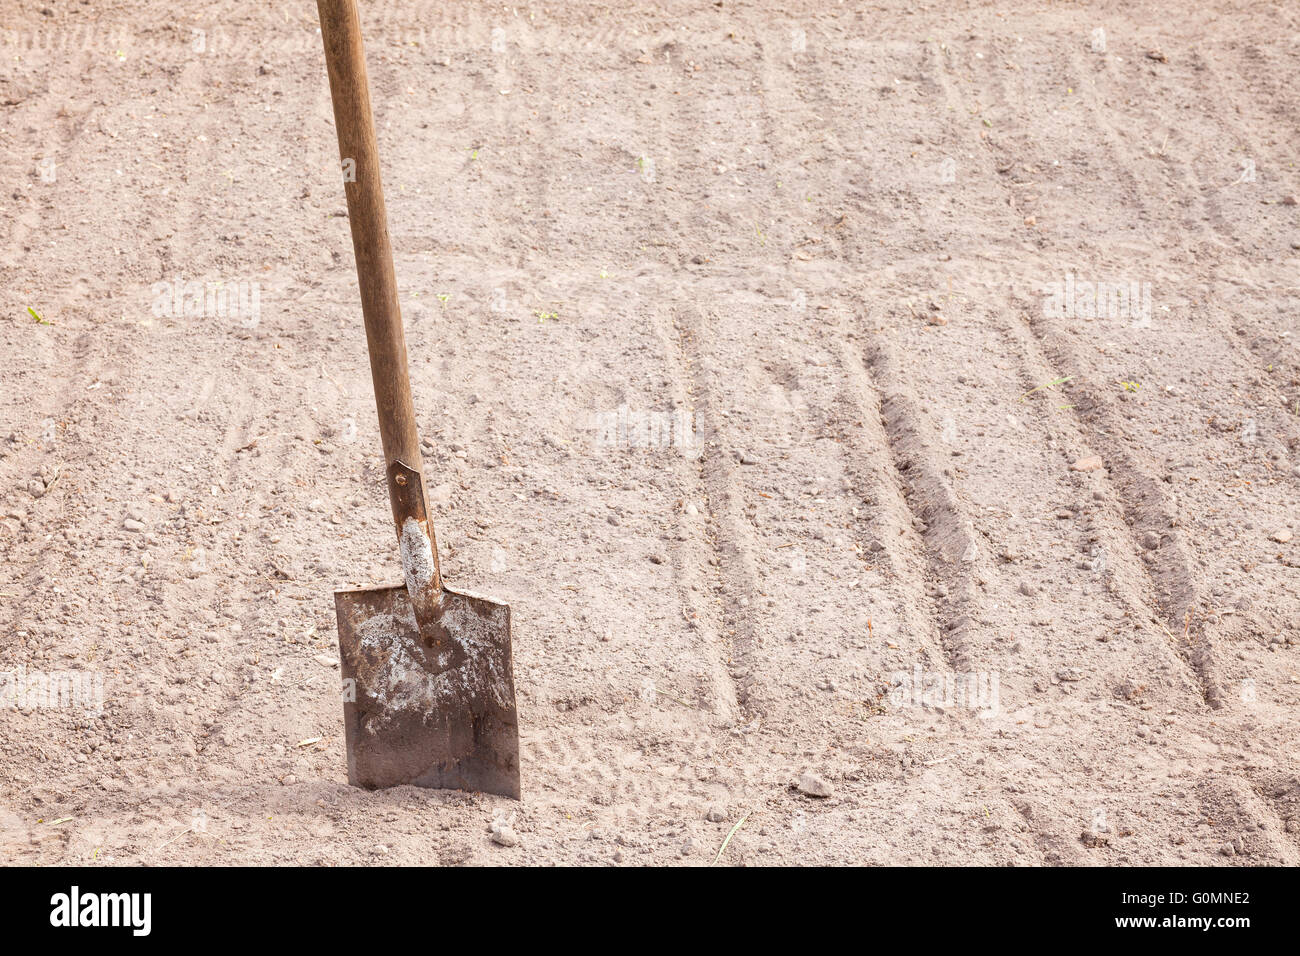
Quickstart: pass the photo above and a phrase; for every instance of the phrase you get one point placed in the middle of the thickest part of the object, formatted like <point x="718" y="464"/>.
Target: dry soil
<point x="743" y="378"/>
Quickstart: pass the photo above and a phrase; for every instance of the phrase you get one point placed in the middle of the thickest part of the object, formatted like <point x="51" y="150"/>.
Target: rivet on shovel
<point x="432" y="699"/>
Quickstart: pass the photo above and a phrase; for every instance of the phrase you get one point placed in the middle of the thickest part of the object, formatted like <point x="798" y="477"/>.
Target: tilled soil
<point x="743" y="378"/>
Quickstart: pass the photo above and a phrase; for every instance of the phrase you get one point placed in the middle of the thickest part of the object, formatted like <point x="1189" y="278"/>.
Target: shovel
<point x="429" y="694"/>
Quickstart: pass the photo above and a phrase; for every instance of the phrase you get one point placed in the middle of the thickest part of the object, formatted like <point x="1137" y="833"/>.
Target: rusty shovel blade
<point x="434" y="710"/>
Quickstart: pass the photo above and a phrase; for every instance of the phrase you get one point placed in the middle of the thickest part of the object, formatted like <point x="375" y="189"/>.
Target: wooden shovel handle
<point x="340" y="27"/>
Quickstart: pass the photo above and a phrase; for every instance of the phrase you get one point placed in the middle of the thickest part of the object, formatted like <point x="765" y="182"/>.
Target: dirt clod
<point x="814" y="785"/>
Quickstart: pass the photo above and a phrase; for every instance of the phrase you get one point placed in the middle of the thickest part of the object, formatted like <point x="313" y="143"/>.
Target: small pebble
<point x="505" y="835"/>
<point x="1091" y="838"/>
<point x="813" y="785"/>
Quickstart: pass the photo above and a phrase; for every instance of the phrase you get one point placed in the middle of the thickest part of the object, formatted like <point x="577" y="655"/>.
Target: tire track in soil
<point x="1173" y="575"/>
<point x="891" y="496"/>
<point x="679" y="341"/>
<point x="1193" y="196"/>
<point x="1179" y="602"/>
<point x="941" y="603"/>
<point x="665" y="752"/>
<point x="734" y="573"/>
<point x="1252" y="801"/>
<point x="952" y="547"/>
<point x="859" y="396"/>
<point x="1051" y="830"/>
<point x="1011" y="344"/>
<point x="732" y="547"/>
<point x="1279" y="789"/>
<point x="701" y="333"/>
<point x="1196" y="191"/>
<point x="952" y="552"/>
<point x="934" y="525"/>
<point x="1179" y="605"/>
<point x="919" y="504"/>
<point x="910" y="556"/>
<point x="1268" y="347"/>
<point x="61" y="130"/>
<point x="783" y="90"/>
<point x="768" y="695"/>
<point x="1124" y="577"/>
<point x="736" y="548"/>
<point x="1034" y="355"/>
